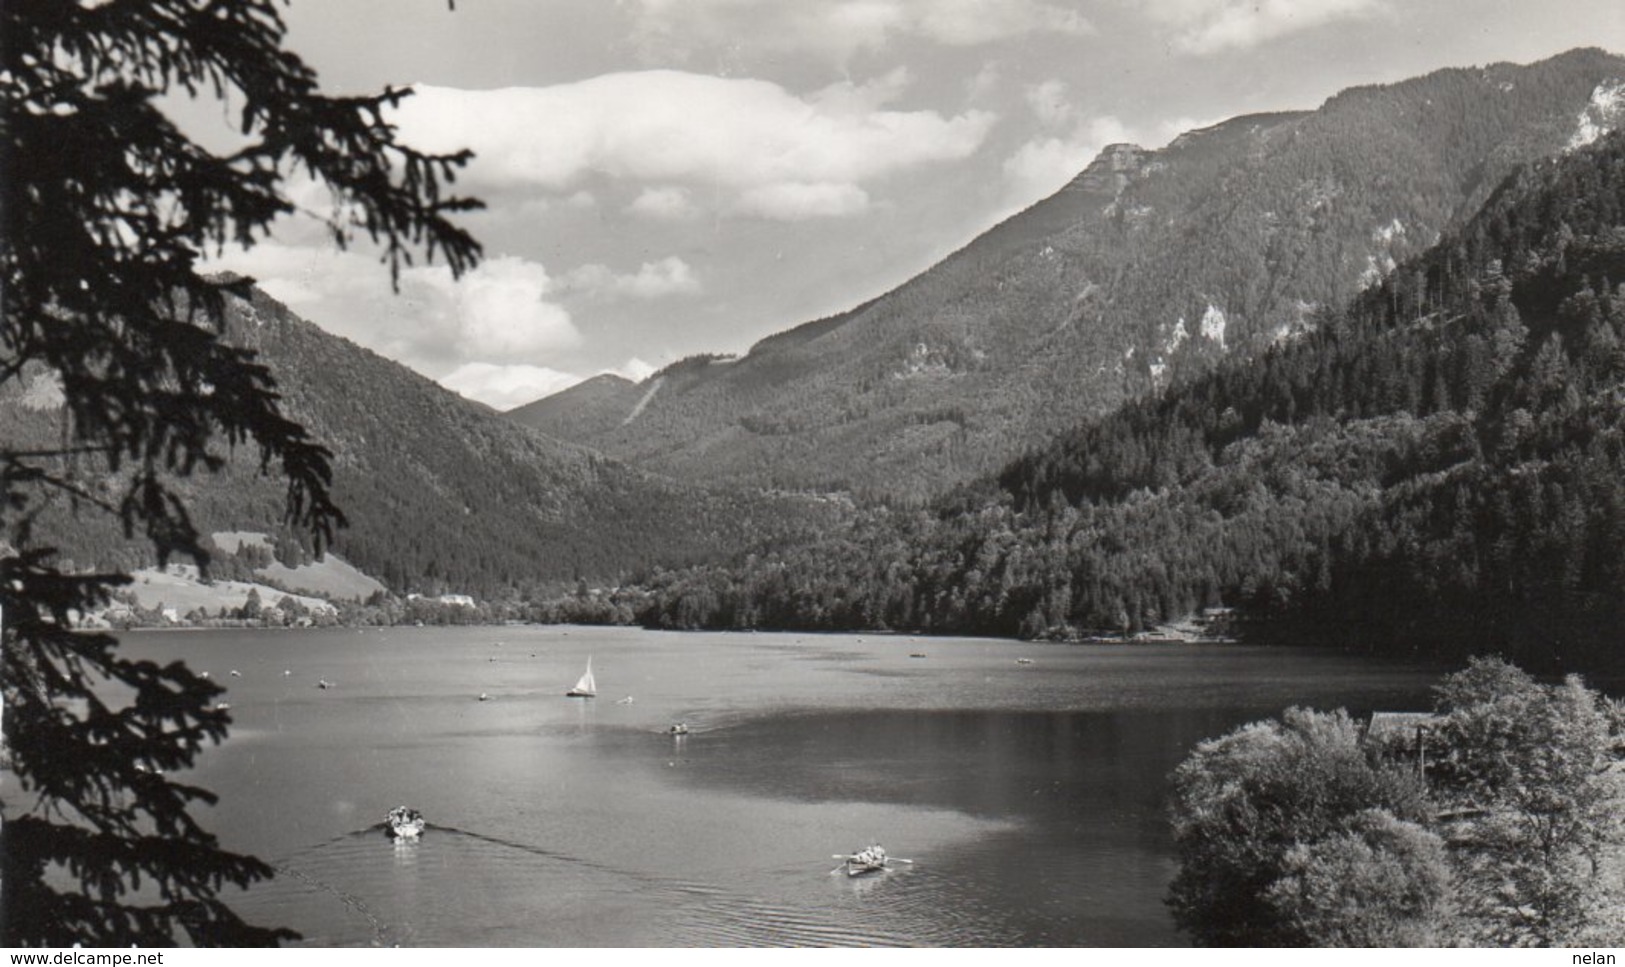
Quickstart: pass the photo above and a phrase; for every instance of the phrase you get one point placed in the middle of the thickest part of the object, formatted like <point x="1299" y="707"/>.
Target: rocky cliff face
<point x="1603" y="113"/>
<point x="1111" y="171"/>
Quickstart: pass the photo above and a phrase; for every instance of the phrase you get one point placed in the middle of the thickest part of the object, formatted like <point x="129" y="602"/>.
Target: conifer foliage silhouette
<point x="108" y="206"/>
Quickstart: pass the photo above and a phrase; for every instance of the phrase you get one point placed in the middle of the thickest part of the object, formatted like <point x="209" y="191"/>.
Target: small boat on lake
<point x="586" y="686"/>
<point x="404" y="823"/>
<point x="681" y="728"/>
<point x="870" y="859"/>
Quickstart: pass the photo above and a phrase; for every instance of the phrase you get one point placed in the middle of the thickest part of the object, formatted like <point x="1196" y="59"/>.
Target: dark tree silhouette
<point x="108" y="206"/>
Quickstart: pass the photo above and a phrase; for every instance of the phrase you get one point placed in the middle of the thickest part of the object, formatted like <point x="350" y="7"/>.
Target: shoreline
<point x="859" y="633"/>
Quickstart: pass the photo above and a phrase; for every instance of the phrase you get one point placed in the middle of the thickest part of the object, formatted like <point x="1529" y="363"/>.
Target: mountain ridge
<point x="442" y="493"/>
<point x="1146" y="268"/>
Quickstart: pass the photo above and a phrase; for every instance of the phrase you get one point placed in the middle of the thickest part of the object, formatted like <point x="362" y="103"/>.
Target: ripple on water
<point x="457" y="888"/>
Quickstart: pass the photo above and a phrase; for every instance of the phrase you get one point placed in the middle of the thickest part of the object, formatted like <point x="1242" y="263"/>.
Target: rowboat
<point x="404" y="823"/>
<point x="870" y="859"/>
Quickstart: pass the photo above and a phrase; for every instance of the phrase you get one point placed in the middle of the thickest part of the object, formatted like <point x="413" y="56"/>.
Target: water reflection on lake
<point x="1030" y="795"/>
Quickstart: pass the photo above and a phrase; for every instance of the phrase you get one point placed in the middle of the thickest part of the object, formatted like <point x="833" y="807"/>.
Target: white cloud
<point x="504" y="387"/>
<point x="667" y="203"/>
<point x="669" y="276"/>
<point x="794" y="201"/>
<point x="984" y="82"/>
<point x="1212" y="26"/>
<point x="848" y="98"/>
<point x="966" y="23"/>
<point x="484" y="336"/>
<point x="501" y="311"/>
<point x="1042" y="165"/>
<point x="749" y="138"/>
<point x="498" y="310"/>
<point x="527" y="210"/>
<point x="635" y="370"/>
<point x="314" y="207"/>
<point x="290" y="291"/>
<point x="653" y="280"/>
<point x="1049" y="101"/>
<point x="676" y="30"/>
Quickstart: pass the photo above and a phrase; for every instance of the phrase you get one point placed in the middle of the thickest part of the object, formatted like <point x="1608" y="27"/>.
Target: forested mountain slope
<point x="1145" y="270"/>
<point x="591" y="407"/>
<point x="441" y="493"/>
<point x="1437" y="469"/>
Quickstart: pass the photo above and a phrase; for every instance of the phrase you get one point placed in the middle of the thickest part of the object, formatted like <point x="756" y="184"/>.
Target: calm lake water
<point x="1029" y="795"/>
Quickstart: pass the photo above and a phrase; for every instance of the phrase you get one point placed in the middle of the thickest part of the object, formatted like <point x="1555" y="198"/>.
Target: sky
<point x="671" y="177"/>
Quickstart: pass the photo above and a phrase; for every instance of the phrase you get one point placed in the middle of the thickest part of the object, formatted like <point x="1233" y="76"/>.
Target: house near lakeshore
<point x="457" y="600"/>
<point x="1407" y="733"/>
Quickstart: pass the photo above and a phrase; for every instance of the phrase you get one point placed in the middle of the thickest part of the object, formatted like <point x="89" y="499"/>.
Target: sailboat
<point x="585" y="687"/>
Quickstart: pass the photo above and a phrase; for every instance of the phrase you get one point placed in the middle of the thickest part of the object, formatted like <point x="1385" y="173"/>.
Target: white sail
<point x="586" y="687"/>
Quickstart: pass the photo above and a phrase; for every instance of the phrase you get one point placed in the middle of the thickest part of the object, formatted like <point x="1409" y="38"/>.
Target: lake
<point x="1029" y="795"/>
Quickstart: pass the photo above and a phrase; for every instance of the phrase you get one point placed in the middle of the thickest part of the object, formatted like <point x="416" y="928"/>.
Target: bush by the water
<point x="1499" y="825"/>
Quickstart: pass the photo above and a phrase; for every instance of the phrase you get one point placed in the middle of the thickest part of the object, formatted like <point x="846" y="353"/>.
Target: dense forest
<point x="440" y="493"/>
<point x="1435" y="469"/>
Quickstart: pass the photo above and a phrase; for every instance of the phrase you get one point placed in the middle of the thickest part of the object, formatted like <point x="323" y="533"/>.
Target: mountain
<point x="442" y="494"/>
<point x="1438" y="469"/>
<point x="1145" y="270"/>
<point x="591" y="407"/>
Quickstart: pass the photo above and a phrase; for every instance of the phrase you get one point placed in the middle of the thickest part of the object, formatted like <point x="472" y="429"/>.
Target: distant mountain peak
<point x="610" y="380"/>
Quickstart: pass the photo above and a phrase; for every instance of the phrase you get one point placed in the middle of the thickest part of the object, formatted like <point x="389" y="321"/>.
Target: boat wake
<point x="462" y="888"/>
